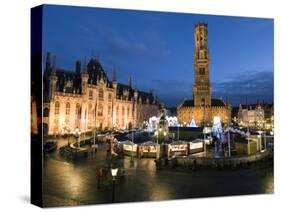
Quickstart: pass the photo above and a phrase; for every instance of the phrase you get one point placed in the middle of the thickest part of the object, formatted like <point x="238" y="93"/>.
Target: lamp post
<point x="114" y="174"/>
<point x="265" y="141"/>
<point x="259" y="136"/>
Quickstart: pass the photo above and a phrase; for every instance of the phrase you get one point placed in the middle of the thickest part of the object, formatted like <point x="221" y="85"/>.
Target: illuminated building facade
<point x="87" y="99"/>
<point x="203" y="108"/>
<point x="256" y="115"/>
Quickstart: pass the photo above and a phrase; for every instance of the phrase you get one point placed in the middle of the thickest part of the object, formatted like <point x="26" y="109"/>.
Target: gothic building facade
<point x="203" y="108"/>
<point x="88" y="100"/>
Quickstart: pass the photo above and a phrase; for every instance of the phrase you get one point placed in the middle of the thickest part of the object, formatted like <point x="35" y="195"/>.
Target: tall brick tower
<point x="201" y="87"/>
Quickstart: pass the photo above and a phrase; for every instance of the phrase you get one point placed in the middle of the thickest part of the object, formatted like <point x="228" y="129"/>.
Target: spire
<point x="258" y="102"/>
<point x="54" y="64"/>
<point x="114" y="74"/>
<point x="85" y="70"/>
<point x="78" y="67"/>
<point x="48" y="61"/>
<point x="136" y="87"/>
<point x="130" y="81"/>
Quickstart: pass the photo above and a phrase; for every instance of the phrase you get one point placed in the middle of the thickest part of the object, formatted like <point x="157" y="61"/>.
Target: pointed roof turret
<point x="130" y="81"/>
<point x="114" y="78"/>
<point x="85" y="68"/>
<point x="49" y="61"/>
<point x="54" y="65"/>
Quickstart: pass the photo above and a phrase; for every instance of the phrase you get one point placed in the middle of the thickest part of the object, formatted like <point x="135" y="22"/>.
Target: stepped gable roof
<point x="218" y="103"/>
<point x="188" y="103"/>
<point x="68" y="81"/>
<point x="122" y="88"/>
<point x="96" y="71"/>
<point x="214" y="103"/>
<point x="146" y="95"/>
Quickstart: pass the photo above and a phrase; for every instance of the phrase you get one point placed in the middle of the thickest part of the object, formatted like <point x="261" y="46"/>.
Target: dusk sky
<point x="156" y="50"/>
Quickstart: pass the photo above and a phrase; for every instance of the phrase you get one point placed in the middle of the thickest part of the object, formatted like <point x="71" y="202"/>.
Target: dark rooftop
<point x="215" y="103"/>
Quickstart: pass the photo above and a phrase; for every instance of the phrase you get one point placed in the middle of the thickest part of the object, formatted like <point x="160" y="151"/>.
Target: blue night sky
<point x="156" y="49"/>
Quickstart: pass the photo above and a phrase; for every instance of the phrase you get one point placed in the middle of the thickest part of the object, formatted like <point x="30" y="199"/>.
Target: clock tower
<point x="201" y="87"/>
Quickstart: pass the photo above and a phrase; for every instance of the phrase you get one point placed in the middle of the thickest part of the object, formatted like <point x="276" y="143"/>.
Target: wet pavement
<point x="67" y="183"/>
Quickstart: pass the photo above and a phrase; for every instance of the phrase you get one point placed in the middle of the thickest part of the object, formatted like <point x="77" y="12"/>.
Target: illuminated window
<point x="90" y="108"/>
<point x="201" y="71"/>
<point x="101" y="94"/>
<point x="109" y="110"/>
<point x="67" y="111"/>
<point x="46" y="112"/>
<point x="57" y="108"/>
<point x="100" y="110"/>
<point x="90" y="94"/>
<point x="77" y="108"/>
<point x="90" y="116"/>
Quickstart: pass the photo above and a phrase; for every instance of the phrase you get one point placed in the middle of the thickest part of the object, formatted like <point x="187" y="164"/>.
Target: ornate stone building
<point x="87" y="99"/>
<point x="203" y="108"/>
<point x="256" y="115"/>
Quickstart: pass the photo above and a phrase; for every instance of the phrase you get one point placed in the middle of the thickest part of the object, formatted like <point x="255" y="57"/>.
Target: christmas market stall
<point x="149" y="150"/>
<point x="196" y="146"/>
<point x="177" y="148"/>
<point x="128" y="148"/>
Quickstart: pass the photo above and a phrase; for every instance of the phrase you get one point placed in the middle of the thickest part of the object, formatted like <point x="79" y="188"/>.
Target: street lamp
<point x="114" y="174"/>
<point x="260" y="138"/>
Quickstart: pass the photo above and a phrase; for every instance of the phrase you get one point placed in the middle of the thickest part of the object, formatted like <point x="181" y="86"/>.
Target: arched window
<point x="201" y="71"/>
<point x="90" y="94"/>
<point x="90" y="107"/>
<point x="100" y="110"/>
<point x="123" y="111"/>
<point x="109" y="110"/>
<point x="101" y="94"/>
<point x="57" y="108"/>
<point x="128" y="111"/>
<point x="77" y="108"/>
<point x="67" y="111"/>
<point x="46" y="112"/>
<point x="109" y="97"/>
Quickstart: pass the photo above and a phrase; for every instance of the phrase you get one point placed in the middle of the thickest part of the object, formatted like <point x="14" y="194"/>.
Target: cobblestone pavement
<point x="67" y="183"/>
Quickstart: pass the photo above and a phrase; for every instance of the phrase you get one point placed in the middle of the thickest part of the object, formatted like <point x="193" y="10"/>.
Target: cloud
<point x="252" y="85"/>
<point x="173" y="91"/>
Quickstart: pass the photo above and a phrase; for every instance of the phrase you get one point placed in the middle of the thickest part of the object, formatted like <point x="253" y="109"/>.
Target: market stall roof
<point x="197" y="140"/>
<point x="149" y="143"/>
<point x="178" y="142"/>
<point x="127" y="142"/>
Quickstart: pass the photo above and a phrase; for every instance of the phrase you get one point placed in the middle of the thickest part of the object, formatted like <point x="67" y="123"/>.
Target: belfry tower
<point x="201" y="87"/>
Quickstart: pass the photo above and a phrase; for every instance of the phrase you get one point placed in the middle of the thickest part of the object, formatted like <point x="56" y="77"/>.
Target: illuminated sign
<point x="130" y="147"/>
<point x="196" y="145"/>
